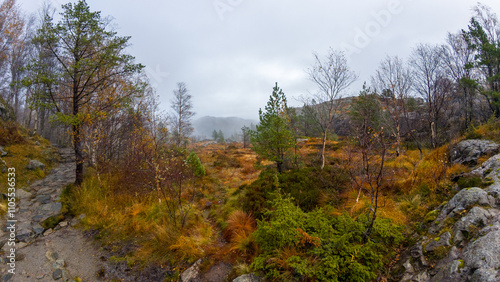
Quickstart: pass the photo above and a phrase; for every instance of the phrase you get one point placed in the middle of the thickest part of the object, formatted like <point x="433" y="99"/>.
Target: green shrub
<point x="424" y="189"/>
<point x="304" y="185"/>
<point x="466" y="182"/>
<point x="431" y="216"/>
<point x="473" y="135"/>
<point x="300" y="246"/>
<point x="52" y="221"/>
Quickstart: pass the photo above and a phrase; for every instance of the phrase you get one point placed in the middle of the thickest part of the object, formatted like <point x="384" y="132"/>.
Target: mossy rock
<point x="487" y="182"/>
<point x="450" y="221"/>
<point x="116" y="259"/>
<point x="461" y="265"/>
<point x="438" y="253"/>
<point x="52" y="221"/>
<point x="431" y="216"/>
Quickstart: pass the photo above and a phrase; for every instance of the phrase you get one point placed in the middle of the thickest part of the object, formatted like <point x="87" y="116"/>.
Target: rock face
<point x="469" y="151"/>
<point x="463" y="242"/>
<point x="34" y="164"/>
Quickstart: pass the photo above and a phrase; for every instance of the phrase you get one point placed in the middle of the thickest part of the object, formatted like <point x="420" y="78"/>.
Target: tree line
<point x="440" y="92"/>
<point x="436" y="94"/>
<point x="76" y="74"/>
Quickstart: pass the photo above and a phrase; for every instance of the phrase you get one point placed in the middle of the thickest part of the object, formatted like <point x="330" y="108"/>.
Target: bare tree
<point x="368" y="169"/>
<point x="431" y="84"/>
<point x="458" y="59"/>
<point x="182" y="114"/>
<point x="12" y="44"/>
<point x="393" y="82"/>
<point x="332" y="75"/>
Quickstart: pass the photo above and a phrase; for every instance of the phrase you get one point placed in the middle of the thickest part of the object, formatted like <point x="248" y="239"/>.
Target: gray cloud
<point x="230" y="52"/>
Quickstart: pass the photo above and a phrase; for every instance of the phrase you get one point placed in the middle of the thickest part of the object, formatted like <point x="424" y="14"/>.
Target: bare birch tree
<point x="431" y="84"/>
<point x="458" y="59"/>
<point x="332" y="75"/>
<point x="393" y="82"/>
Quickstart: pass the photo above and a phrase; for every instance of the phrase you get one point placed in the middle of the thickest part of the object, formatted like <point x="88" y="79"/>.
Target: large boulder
<point x="463" y="200"/>
<point x="483" y="252"/>
<point x="494" y="191"/>
<point x="477" y="217"/>
<point x="485" y="275"/>
<point x="450" y="268"/>
<point x="469" y="151"/>
<point x="442" y="241"/>
<point x="489" y="169"/>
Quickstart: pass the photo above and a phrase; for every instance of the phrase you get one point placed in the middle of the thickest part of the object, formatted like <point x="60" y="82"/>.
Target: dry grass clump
<point x="240" y="226"/>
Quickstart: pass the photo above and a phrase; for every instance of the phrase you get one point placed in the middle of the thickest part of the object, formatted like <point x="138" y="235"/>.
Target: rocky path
<point x="42" y="254"/>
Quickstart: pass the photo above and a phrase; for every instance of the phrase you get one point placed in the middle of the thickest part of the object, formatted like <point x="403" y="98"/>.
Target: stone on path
<point x="57" y="274"/>
<point x="35" y="164"/>
<point x="22" y="194"/>
<point x="192" y="273"/>
<point x="59" y="264"/>
<point x="37" y="228"/>
<point x="51" y="256"/>
<point x="7" y="277"/>
<point x="54" y="207"/>
<point x="43" y="199"/>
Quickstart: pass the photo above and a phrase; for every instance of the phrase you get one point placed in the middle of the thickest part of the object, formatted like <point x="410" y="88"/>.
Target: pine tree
<point x="273" y="138"/>
<point x="89" y="60"/>
<point x="221" y="137"/>
<point x="483" y="37"/>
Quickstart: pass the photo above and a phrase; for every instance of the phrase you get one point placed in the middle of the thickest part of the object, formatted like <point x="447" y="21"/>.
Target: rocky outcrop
<point x="463" y="242"/>
<point x="469" y="151"/>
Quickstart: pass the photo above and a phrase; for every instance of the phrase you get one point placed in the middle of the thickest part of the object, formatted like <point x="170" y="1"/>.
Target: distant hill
<point x="204" y="126"/>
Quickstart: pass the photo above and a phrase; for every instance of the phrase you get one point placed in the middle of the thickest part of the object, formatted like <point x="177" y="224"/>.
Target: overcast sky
<point x="231" y="52"/>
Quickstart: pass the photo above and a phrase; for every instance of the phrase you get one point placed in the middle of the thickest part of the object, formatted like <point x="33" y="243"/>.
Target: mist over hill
<point x="230" y="126"/>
